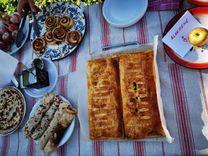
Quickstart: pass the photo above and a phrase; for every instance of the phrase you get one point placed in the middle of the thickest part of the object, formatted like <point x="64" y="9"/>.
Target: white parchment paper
<point x="83" y="89"/>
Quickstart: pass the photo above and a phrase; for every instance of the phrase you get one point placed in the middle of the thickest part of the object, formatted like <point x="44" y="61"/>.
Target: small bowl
<point x="53" y="78"/>
<point x="123" y="13"/>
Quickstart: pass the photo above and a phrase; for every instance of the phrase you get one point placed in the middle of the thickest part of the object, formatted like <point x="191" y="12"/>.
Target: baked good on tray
<point x="139" y="98"/>
<point x="105" y="114"/>
<point x="122" y="98"/>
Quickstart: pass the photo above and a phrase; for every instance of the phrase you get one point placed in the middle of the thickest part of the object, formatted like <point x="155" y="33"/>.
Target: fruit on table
<point x="8" y="30"/>
<point x="4" y="46"/>
<point x="15" y="18"/>
<point x="7" y="37"/>
<point x="198" y="36"/>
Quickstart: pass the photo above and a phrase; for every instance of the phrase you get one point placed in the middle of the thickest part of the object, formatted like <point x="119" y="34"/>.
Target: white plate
<point x="53" y="78"/>
<point x="123" y="13"/>
<point x="26" y="31"/>
<point x="68" y="131"/>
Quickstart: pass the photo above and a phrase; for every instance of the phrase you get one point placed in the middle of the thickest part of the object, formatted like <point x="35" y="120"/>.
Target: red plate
<point x="199" y="2"/>
<point x="194" y="59"/>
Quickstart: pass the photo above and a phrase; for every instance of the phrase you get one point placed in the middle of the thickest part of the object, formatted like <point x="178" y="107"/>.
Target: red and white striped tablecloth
<point x="184" y="92"/>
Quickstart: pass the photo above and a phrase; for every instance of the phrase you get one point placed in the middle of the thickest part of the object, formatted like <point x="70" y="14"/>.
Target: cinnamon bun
<point x="73" y="38"/>
<point x="48" y="36"/>
<point x="66" y="21"/>
<point x="38" y="45"/>
<point x="59" y="33"/>
<point x="50" y="22"/>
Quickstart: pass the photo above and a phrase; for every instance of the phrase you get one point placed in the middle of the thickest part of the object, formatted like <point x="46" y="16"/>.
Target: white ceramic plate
<point x="53" y="78"/>
<point x="123" y="13"/>
<point x="26" y="31"/>
<point x="68" y="131"/>
<point x="24" y="103"/>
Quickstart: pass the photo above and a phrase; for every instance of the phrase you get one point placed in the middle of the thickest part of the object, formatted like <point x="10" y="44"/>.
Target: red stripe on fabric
<point x="31" y="148"/>
<point x="93" y="148"/>
<point x="63" y="91"/>
<point x="88" y="20"/>
<point x="5" y="144"/>
<point x="185" y="107"/>
<point x="161" y="28"/>
<point x="181" y="115"/>
<point x="78" y="138"/>
<point x="203" y="90"/>
<point x="75" y="62"/>
<point x="142" y="32"/>
<point x="139" y="148"/>
<point x="18" y="141"/>
<point x="105" y="30"/>
<point x="118" y="148"/>
<point x="181" y="106"/>
<point x="163" y="149"/>
<point x="174" y="99"/>
<point x="31" y="143"/>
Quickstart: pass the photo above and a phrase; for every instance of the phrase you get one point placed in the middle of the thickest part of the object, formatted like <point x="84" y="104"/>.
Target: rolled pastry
<point x="59" y="131"/>
<point x="38" y="114"/>
<point x="45" y="137"/>
<point x="43" y="125"/>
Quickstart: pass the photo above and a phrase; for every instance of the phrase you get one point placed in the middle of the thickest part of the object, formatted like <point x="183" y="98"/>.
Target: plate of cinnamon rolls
<point x="62" y="27"/>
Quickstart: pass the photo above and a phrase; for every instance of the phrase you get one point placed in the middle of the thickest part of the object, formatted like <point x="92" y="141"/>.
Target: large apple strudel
<point x="105" y="114"/>
<point x="122" y="98"/>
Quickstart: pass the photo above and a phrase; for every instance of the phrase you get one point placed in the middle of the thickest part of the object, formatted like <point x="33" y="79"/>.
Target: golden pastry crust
<point x="138" y="89"/>
<point x="39" y="45"/>
<point x="73" y="38"/>
<point x="48" y="36"/>
<point x="105" y="114"/>
<point x="66" y="21"/>
<point x="51" y="22"/>
<point x="59" y="33"/>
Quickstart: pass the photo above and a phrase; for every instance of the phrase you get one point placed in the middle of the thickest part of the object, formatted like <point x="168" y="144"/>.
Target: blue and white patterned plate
<point x="59" y="51"/>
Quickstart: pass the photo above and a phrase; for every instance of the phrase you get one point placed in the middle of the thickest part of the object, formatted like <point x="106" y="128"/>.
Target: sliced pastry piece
<point x="51" y="22"/>
<point x="59" y="131"/>
<point x="38" y="46"/>
<point x="45" y="137"/>
<point x="45" y="121"/>
<point x="73" y="37"/>
<point x="34" y="120"/>
<point x="104" y="99"/>
<point x="59" y="33"/>
<point x="66" y="22"/>
<point x="139" y="99"/>
<point x="49" y="37"/>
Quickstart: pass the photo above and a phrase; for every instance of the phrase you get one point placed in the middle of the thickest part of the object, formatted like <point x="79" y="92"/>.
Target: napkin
<point x="156" y="5"/>
<point x="8" y="65"/>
